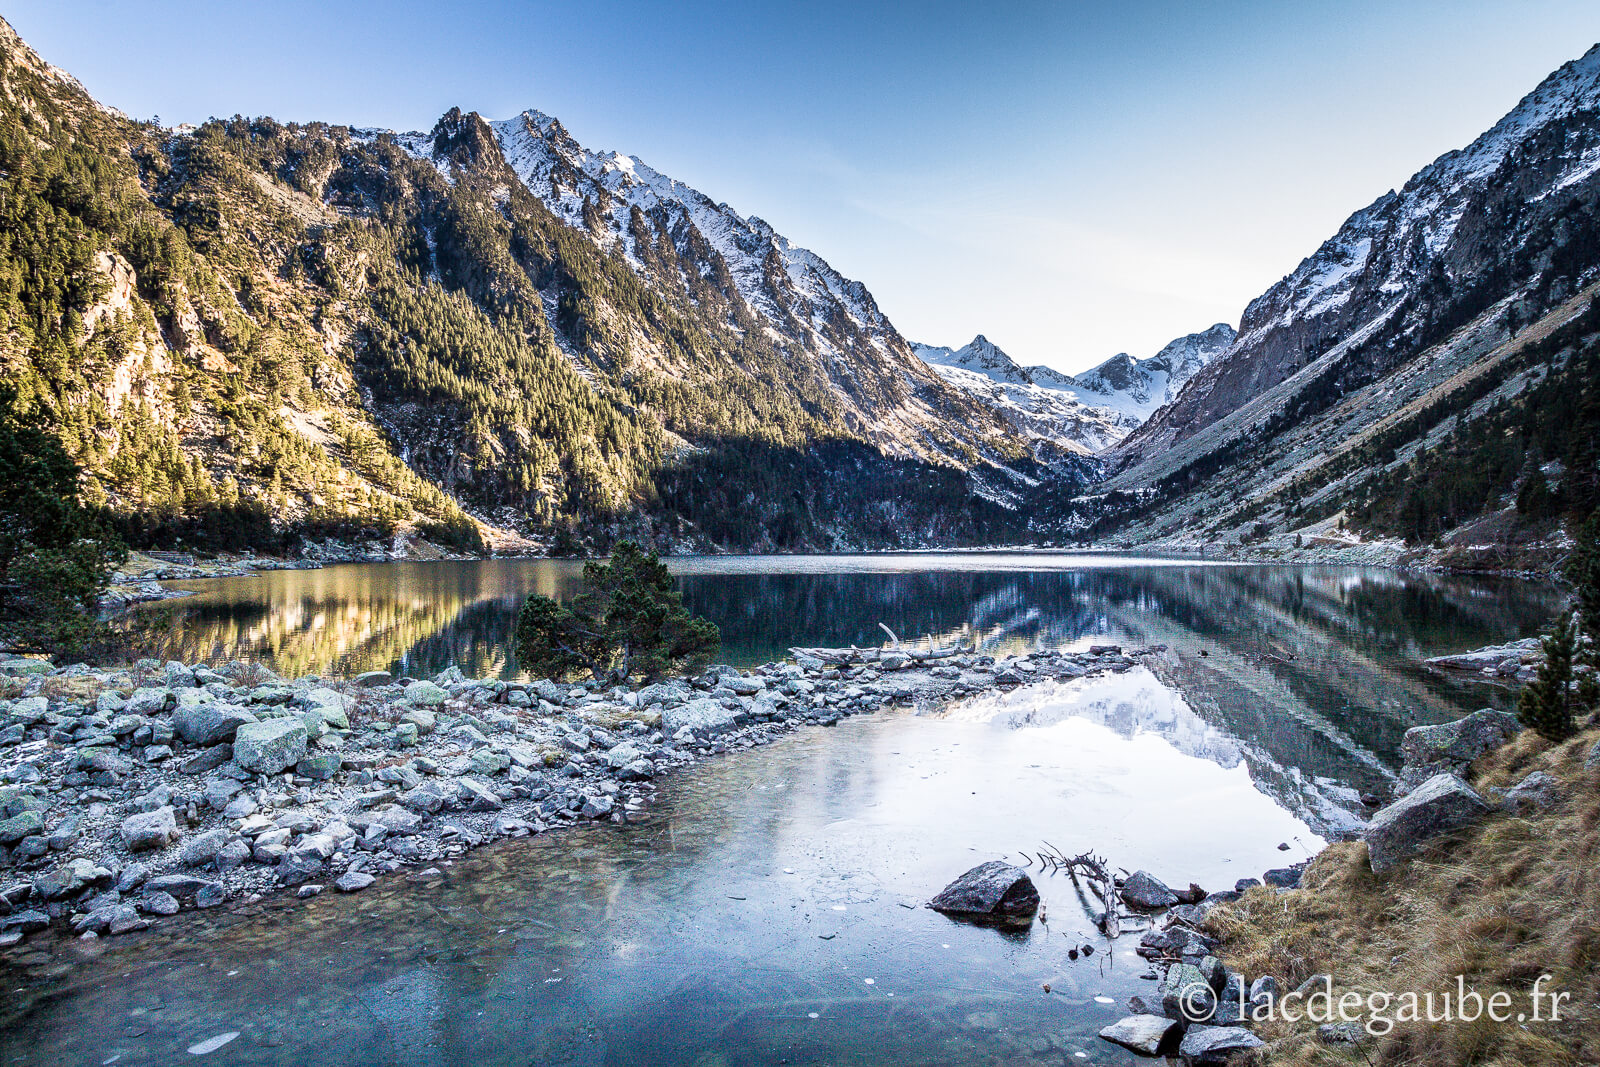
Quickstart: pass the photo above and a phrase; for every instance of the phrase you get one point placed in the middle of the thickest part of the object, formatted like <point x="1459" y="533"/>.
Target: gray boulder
<point x="1146" y="892"/>
<point x="1284" y="877"/>
<point x="1536" y="792"/>
<point x="704" y="718"/>
<point x="673" y="692"/>
<point x="299" y="865"/>
<point x="209" y="724"/>
<point x="1451" y="746"/>
<point x="179" y="885"/>
<point x="1143" y="1034"/>
<point x="320" y="766"/>
<point x="995" y="890"/>
<point x="1441" y="805"/>
<point x="425" y="694"/>
<point x="270" y="747"/>
<point x="478" y="796"/>
<point x="421" y="718"/>
<point x="202" y="849"/>
<point x="149" y="829"/>
<point x="150" y="701"/>
<point x="26" y="824"/>
<point x="1263" y="992"/>
<point x="1231" y="1002"/>
<point x="1186" y="995"/>
<point x="1216" y="1044"/>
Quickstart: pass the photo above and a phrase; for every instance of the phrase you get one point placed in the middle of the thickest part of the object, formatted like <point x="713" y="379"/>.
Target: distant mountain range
<point x="1086" y="412"/>
<point x="256" y="333"/>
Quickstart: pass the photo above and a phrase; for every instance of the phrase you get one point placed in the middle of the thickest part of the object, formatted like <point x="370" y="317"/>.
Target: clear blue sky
<point x="1070" y="179"/>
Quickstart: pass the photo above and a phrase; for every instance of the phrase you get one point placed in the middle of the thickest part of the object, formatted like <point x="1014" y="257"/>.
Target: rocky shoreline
<point x="127" y="796"/>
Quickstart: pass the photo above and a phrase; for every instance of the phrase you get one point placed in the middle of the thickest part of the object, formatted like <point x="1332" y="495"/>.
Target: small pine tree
<point x="1547" y="702"/>
<point x="629" y="620"/>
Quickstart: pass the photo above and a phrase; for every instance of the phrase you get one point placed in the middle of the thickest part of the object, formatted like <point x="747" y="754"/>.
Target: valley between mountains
<point x="278" y="337"/>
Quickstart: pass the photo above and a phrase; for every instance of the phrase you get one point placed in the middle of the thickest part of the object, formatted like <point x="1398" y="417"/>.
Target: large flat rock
<point x="1144" y="1034"/>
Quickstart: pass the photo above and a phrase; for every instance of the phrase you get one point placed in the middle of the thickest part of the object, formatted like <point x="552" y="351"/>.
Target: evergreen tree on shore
<point x="1547" y="702"/>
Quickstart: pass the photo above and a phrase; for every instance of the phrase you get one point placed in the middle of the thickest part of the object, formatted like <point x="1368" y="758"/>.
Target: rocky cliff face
<point x="1508" y="218"/>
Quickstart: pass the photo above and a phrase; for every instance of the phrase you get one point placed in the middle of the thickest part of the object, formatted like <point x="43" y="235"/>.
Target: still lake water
<point x="767" y="910"/>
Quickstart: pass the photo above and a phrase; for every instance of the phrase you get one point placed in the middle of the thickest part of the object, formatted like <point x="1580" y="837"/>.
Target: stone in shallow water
<point x="353" y="882"/>
<point x="1145" y="891"/>
<point x="1143" y="1034"/>
<point x="994" y="889"/>
<point x="159" y="904"/>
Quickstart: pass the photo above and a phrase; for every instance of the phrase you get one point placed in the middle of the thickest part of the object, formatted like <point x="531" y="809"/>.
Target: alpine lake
<point x="768" y="907"/>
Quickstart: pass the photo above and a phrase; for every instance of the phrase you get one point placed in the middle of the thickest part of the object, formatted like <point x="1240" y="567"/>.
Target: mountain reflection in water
<point x="1318" y="666"/>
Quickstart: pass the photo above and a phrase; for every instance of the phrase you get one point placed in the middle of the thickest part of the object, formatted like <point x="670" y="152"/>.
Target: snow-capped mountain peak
<point x="980" y="356"/>
<point x="1139" y="387"/>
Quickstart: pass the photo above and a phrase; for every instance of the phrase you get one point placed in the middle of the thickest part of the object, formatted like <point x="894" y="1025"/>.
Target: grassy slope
<point x="1509" y="900"/>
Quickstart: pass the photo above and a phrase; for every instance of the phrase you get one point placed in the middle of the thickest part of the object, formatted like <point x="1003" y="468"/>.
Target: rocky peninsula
<point x="129" y="795"/>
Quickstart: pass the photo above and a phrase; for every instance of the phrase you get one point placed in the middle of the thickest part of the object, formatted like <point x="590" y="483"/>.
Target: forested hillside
<point x="254" y="334"/>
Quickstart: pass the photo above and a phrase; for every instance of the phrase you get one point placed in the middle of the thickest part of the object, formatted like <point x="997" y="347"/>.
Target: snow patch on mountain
<point x="1137" y="388"/>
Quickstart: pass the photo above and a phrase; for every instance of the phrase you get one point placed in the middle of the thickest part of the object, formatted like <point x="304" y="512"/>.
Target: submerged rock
<point x="995" y="890"/>
<point x="1439" y="806"/>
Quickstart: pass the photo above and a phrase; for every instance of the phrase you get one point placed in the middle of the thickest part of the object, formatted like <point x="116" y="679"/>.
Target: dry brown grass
<point x="1511" y="899"/>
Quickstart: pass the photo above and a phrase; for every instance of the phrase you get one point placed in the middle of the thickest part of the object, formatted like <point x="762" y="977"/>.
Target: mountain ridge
<point x="1410" y="377"/>
<point x="252" y="332"/>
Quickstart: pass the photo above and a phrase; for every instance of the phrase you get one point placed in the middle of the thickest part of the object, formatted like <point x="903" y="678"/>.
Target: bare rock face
<point x="1439" y="806"/>
<point x="993" y="890"/>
